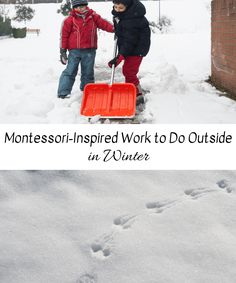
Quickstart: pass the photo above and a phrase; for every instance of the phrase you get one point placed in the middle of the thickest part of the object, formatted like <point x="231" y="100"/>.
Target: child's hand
<point x="116" y="61"/>
<point x="63" y="56"/>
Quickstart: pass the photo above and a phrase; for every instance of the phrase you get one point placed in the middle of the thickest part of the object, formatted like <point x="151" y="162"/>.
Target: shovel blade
<point x="112" y="101"/>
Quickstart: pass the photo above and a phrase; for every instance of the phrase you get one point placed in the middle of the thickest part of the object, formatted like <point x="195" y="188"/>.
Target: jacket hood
<point x="135" y="10"/>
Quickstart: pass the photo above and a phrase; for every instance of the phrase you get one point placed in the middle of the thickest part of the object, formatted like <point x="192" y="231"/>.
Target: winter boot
<point x="139" y="95"/>
<point x="64" y="96"/>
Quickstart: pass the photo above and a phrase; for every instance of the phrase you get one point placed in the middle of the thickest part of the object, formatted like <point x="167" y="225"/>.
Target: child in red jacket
<point x="79" y="36"/>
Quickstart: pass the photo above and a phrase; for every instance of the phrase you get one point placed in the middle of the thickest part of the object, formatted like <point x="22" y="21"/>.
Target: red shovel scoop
<point x="114" y="100"/>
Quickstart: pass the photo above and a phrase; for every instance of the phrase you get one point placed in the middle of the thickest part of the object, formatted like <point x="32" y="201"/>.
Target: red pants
<point x="131" y="68"/>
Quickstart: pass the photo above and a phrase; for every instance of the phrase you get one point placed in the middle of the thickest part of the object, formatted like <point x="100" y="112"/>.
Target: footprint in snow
<point x="102" y="246"/>
<point x="160" y="206"/>
<point x="124" y="221"/>
<point x="199" y="192"/>
<point x="87" y="278"/>
<point x="224" y="184"/>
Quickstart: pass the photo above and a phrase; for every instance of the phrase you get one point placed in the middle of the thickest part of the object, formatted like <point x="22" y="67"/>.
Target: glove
<point x="116" y="61"/>
<point x="63" y="56"/>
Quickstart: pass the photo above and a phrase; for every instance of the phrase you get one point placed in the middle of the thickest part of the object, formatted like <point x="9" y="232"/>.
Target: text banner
<point x="118" y="147"/>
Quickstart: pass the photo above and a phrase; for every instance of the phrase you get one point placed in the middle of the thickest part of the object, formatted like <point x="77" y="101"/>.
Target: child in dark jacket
<point x="133" y="38"/>
<point x="79" y="36"/>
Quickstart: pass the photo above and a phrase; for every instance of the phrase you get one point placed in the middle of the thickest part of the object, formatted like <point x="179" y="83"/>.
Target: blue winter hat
<point x="77" y="3"/>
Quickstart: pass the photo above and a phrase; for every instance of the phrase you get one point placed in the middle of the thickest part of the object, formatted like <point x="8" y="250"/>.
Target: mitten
<point x="116" y="61"/>
<point x="63" y="56"/>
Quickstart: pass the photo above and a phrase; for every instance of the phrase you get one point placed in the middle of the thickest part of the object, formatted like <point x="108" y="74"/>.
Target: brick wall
<point x="223" y="48"/>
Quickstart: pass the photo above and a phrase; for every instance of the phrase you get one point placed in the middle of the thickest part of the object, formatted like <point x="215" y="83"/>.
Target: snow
<point x="92" y="227"/>
<point x="174" y="71"/>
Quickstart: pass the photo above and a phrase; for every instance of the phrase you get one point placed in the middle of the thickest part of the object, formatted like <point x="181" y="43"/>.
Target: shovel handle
<point x="113" y="66"/>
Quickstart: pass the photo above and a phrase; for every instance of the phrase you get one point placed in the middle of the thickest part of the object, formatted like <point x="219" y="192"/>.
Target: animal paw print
<point x="102" y="246"/>
<point x="160" y="206"/>
<point x="197" y="193"/>
<point x="224" y="184"/>
<point x="124" y="221"/>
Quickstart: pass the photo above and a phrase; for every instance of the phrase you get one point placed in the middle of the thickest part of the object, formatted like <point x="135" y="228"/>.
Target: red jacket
<point x="81" y="33"/>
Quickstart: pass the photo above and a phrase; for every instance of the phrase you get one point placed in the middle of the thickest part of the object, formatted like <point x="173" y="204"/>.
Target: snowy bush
<point x="163" y="25"/>
<point x="5" y="21"/>
<point x="23" y="13"/>
<point x="5" y="26"/>
<point x="65" y="8"/>
<point x="4" y="11"/>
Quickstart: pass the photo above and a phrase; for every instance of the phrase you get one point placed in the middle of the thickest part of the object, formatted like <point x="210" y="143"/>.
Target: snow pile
<point x="92" y="227"/>
<point x="174" y="70"/>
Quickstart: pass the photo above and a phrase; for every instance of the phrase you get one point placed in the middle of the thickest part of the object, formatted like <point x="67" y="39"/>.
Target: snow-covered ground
<point x="121" y="227"/>
<point x="174" y="71"/>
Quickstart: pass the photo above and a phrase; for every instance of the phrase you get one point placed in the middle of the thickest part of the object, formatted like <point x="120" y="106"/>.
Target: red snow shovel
<point x="114" y="100"/>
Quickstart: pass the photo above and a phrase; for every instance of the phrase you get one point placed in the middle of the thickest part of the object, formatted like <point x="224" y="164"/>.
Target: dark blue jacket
<point x="132" y="30"/>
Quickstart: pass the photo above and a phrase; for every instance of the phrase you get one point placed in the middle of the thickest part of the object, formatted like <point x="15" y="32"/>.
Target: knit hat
<point x="126" y="3"/>
<point x="77" y="3"/>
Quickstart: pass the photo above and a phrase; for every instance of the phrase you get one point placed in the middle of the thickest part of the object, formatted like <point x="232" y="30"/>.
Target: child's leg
<point x="67" y="77"/>
<point x="87" y="67"/>
<point x="131" y="68"/>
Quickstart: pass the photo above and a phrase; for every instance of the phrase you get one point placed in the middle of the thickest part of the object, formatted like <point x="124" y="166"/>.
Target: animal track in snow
<point x="199" y="192"/>
<point x="102" y="246"/>
<point x="86" y="278"/>
<point x="224" y="184"/>
<point x="124" y="221"/>
<point x="160" y="206"/>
